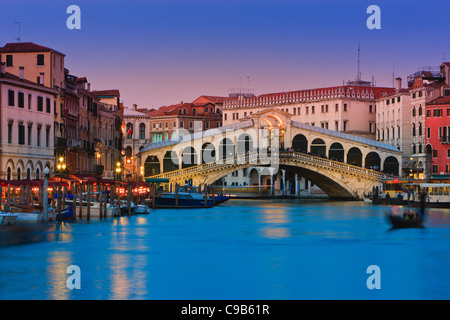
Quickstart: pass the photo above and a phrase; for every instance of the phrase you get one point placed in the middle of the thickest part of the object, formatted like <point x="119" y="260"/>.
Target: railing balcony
<point x="61" y="142"/>
<point x="98" y="169"/>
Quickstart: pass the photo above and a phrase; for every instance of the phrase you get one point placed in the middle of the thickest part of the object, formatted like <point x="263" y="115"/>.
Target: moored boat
<point x="7" y="218"/>
<point x="186" y="197"/>
<point x="437" y="195"/>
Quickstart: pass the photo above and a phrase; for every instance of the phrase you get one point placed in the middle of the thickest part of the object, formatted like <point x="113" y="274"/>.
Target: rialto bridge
<point x="342" y="165"/>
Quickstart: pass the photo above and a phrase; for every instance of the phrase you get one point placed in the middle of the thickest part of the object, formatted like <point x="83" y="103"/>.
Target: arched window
<point x="129" y="131"/>
<point x="8" y="174"/>
<point x="142" y="131"/>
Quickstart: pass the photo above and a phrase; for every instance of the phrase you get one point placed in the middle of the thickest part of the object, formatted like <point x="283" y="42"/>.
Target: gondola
<point x="400" y="221"/>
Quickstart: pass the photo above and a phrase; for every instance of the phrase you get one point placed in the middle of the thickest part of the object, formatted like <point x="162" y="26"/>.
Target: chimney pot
<point x="398" y="84"/>
<point x="134" y="107"/>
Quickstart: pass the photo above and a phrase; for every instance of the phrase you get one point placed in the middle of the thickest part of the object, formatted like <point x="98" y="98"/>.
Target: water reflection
<point x="20" y="234"/>
<point x="274" y="218"/>
<point x="57" y="263"/>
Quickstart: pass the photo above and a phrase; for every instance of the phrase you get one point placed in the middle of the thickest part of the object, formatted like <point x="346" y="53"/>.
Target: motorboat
<point x="7" y="218"/>
<point x="142" y="209"/>
<point x="437" y="195"/>
<point x="220" y="199"/>
<point x="187" y="197"/>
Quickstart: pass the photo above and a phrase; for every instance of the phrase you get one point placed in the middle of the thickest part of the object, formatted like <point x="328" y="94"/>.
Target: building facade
<point x="26" y="115"/>
<point x="437" y="136"/>
<point x="44" y="66"/>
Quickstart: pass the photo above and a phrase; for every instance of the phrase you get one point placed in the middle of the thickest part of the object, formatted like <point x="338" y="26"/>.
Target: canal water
<point x="243" y="249"/>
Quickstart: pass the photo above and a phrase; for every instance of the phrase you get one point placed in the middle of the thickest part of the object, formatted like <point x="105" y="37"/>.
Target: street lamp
<point x="118" y="169"/>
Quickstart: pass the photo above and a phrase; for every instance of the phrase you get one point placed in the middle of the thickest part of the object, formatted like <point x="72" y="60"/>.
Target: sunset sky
<point x="163" y="52"/>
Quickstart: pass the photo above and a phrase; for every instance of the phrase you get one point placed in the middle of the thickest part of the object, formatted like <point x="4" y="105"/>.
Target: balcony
<point x="444" y="139"/>
<point x="61" y="142"/>
<point x="98" y="169"/>
<point x="74" y="143"/>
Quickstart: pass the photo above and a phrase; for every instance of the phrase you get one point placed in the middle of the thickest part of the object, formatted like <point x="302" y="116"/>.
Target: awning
<point x="155" y="180"/>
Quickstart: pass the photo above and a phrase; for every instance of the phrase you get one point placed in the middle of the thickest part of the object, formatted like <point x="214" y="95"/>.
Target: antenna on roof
<point x="358" y="75"/>
<point x="443" y="56"/>
<point x="18" y="39"/>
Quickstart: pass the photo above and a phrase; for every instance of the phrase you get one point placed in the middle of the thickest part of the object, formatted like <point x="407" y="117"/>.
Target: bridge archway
<point x="151" y="166"/>
<point x="170" y="161"/>
<point x="373" y="161"/>
<point x="300" y="143"/>
<point x="336" y="152"/>
<point x="188" y="157"/>
<point x="391" y="165"/>
<point x="354" y="157"/>
<point x="226" y="149"/>
<point x="244" y="144"/>
<point x="318" y="147"/>
<point x="208" y="153"/>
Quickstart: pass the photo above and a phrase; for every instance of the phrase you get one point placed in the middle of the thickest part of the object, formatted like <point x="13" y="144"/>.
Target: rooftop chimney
<point x="398" y="84"/>
<point x="134" y="107"/>
<point x="2" y="69"/>
<point x="21" y="72"/>
<point x="88" y="86"/>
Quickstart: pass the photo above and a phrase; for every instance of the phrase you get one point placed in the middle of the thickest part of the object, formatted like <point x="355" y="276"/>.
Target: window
<point x="142" y="130"/>
<point x="40" y="60"/>
<point x="48" y="104"/>
<point x="345" y="107"/>
<point x="312" y="109"/>
<point x="11" y="98"/>
<point x="38" y="136"/>
<point x="428" y="113"/>
<point x="398" y="99"/>
<point x="336" y="107"/>
<point x="9" y="60"/>
<point x="370" y="108"/>
<point x="191" y="124"/>
<point x="29" y="101"/>
<point x="420" y="110"/>
<point x="10" y="124"/>
<point x="435" y="153"/>
<point x="21" y="133"/>
<point x="336" y="125"/>
<point x="225" y="115"/>
<point x="413" y="129"/>
<point x="174" y="124"/>
<point x="414" y="111"/>
<point x="345" y="125"/>
<point x="40" y="104"/>
<point x="21" y="100"/>
<point x="448" y="153"/>
<point x="414" y="95"/>
<point x="435" y="169"/>
<point x="181" y="124"/>
<point x="47" y="137"/>
<point x="428" y="132"/>
<point x="29" y="134"/>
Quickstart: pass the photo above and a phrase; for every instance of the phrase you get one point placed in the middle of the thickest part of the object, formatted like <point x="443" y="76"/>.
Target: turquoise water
<point x="242" y="249"/>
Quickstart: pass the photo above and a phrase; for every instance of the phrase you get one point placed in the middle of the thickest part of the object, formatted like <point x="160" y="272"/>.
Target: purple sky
<point x="162" y="52"/>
